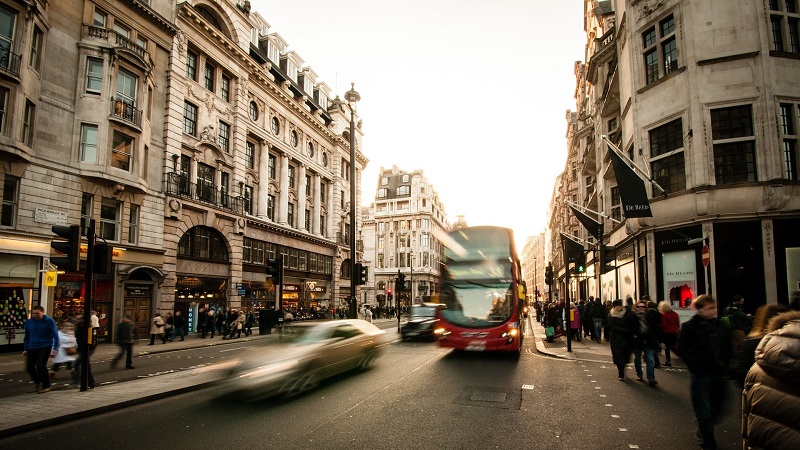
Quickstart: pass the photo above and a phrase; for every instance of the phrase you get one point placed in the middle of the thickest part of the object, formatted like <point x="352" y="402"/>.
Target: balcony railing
<point x="125" y="111"/>
<point x="178" y="185"/>
<point x="9" y="62"/>
<point x="116" y="39"/>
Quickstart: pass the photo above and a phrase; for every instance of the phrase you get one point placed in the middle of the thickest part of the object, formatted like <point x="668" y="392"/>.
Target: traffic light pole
<point x="87" y="305"/>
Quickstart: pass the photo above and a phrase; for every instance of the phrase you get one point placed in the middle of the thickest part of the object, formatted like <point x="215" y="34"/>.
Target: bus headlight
<point x="440" y="331"/>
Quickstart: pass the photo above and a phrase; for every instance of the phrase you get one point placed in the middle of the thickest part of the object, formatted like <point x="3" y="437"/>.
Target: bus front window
<point x="476" y="305"/>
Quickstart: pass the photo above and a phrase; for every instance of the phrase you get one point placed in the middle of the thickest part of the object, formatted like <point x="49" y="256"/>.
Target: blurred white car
<point x="320" y="351"/>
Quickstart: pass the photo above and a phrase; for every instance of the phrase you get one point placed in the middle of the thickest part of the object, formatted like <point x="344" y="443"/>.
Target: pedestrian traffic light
<point x="548" y="274"/>
<point x="275" y="269"/>
<point x="71" y="249"/>
<point x="580" y="263"/>
<point x="103" y="255"/>
<point x="361" y="274"/>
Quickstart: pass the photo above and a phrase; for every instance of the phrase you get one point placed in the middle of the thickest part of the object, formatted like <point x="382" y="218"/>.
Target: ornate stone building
<point x="703" y="99"/>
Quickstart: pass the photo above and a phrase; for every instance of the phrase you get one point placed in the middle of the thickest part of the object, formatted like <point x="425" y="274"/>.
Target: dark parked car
<point x="421" y="321"/>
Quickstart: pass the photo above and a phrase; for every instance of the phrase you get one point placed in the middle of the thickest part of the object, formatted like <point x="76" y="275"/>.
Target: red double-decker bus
<point x="482" y="290"/>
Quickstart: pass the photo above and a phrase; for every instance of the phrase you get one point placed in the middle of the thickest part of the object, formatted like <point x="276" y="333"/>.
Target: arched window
<point x="345" y="269"/>
<point x="209" y="16"/>
<point x="203" y="243"/>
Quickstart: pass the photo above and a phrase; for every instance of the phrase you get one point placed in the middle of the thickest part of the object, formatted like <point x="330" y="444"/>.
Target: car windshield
<point x="310" y="335"/>
<point x="423" y="311"/>
<point x="472" y="304"/>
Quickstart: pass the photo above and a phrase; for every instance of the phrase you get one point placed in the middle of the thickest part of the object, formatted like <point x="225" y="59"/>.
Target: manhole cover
<point x="483" y="396"/>
<point x="492" y="397"/>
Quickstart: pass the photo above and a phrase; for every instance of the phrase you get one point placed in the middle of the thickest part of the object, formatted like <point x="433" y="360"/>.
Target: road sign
<point x="706" y="256"/>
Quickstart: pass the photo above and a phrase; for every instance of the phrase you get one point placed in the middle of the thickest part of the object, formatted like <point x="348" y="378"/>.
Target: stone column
<point x="316" y="209"/>
<point x="301" y="196"/>
<point x="263" y="181"/>
<point x="283" y="197"/>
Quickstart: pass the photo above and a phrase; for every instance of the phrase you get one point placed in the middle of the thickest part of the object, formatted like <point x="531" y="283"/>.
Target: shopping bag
<point x="549" y="331"/>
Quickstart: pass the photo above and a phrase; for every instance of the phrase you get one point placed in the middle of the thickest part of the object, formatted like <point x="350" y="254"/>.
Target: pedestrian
<point x="178" y="326"/>
<point x="84" y="347"/>
<point x="169" y="327"/>
<point x="771" y="396"/>
<point x="39" y="344"/>
<point x="607" y="308"/>
<point x="574" y="319"/>
<point x="219" y="323"/>
<point x="670" y="326"/>
<point x="125" y="337"/>
<point x="737" y="321"/>
<point x="368" y="314"/>
<point x="646" y="341"/>
<point x="201" y="322"/>
<point x="744" y="358"/>
<point x="239" y="324"/>
<point x="157" y="329"/>
<point x="209" y="326"/>
<point x="622" y="326"/>
<point x="598" y="317"/>
<point x="586" y="318"/>
<point x="705" y="346"/>
<point x="249" y="320"/>
<point x="67" y="349"/>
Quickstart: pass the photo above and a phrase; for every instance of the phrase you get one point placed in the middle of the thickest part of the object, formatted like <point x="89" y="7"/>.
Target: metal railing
<point x="9" y="62"/>
<point x="125" y="111"/>
<point x="116" y="39"/>
<point x="179" y="185"/>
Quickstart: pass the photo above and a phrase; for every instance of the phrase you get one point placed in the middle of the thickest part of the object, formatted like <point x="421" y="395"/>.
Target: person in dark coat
<point x="125" y="337"/>
<point x="744" y="357"/>
<point x="705" y="346"/>
<point x="209" y="327"/>
<point x="771" y="396"/>
<point x="646" y="343"/>
<point x="622" y="326"/>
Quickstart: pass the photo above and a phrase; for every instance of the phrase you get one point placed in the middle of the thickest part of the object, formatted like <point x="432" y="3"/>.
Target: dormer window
<point x="405" y="178"/>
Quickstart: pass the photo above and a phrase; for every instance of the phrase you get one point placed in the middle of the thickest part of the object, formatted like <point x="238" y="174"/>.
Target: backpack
<point x="726" y="320"/>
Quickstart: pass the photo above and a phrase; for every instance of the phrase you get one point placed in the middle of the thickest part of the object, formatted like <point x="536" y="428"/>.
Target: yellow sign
<point x="50" y="278"/>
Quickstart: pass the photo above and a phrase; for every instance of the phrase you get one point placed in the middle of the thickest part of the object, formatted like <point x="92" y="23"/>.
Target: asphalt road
<point x="419" y="395"/>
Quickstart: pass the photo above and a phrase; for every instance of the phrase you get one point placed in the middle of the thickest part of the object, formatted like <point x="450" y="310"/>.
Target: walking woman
<point x="622" y="325"/>
<point x="670" y="325"/>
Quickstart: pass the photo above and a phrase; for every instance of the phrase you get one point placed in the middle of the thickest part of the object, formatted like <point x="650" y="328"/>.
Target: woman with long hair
<point x="744" y="358"/>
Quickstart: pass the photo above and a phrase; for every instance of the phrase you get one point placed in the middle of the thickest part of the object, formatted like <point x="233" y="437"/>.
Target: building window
<point x="36" y="47"/>
<point x="290" y="214"/>
<point x="89" y="143"/>
<point x="660" y="50"/>
<point x="126" y="87"/>
<point x="208" y="76"/>
<point x="789" y="138"/>
<point x="784" y="26"/>
<point x="248" y="199"/>
<point x="8" y="213"/>
<point x="382" y="192"/>
<point x="189" y="119"/>
<point x="87" y="203"/>
<point x="323" y="189"/>
<point x="225" y="89"/>
<point x="425" y="241"/>
<point x="121" y="151"/>
<point x="323" y="225"/>
<point x="311" y="150"/>
<point x="616" y="204"/>
<point x="99" y="18"/>
<point x="253" y="111"/>
<point x="405" y="178"/>
<point x="734" y="144"/>
<point x="110" y="220"/>
<point x="203" y="243"/>
<point x="384" y="181"/>
<point x="271" y="165"/>
<point x="308" y="185"/>
<point x="403" y="190"/>
<point x="666" y="156"/>
<point x="324" y="159"/>
<point x="94" y="75"/>
<point x="276" y="126"/>
<point x="224" y="136"/>
<point x="293" y="138"/>
<point x="3" y="108"/>
<point x="133" y="224"/>
<point x="271" y="207"/>
<point x="122" y="30"/>
<point x="224" y="188"/>
<point x="26" y="135"/>
<point x="249" y="154"/>
<point x="307" y="220"/>
<point x="345" y="170"/>
<point x="291" y="176"/>
<point x="191" y="65"/>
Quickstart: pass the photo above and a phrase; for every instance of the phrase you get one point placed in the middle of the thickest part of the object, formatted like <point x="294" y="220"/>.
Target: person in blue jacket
<point x="39" y="344"/>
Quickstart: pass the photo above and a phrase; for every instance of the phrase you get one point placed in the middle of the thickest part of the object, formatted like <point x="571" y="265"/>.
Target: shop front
<point x="194" y="293"/>
<point x="20" y="282"/>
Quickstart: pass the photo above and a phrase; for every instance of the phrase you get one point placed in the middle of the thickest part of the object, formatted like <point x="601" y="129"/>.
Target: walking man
<point x="705" y="346"/>
<point x="178" y="325"/>
<point x="125" y="336"/>
<point x="39" y="344"/>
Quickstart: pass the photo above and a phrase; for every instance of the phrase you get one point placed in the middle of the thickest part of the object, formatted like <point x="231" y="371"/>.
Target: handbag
<point x="549" y="331"/>
<point x="71" y="351"/>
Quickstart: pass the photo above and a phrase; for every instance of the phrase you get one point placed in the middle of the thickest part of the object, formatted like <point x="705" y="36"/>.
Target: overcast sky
<point x="472" y="92"/>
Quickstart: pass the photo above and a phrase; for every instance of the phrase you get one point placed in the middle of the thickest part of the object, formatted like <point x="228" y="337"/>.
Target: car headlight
<point x="269" y="369"/>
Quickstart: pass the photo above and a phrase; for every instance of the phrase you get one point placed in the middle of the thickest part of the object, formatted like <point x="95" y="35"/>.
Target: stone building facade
<point x="702" y="97"/>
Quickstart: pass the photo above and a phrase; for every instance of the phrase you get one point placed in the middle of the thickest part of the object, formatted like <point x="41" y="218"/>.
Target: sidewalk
<point x="27" y="412"/>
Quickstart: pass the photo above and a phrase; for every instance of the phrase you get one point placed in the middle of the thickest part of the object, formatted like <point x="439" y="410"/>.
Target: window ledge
<point x="788" y="55"/>
<point x="662" y="80"/>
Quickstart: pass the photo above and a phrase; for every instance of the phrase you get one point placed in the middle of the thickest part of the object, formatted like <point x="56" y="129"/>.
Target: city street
<point x="418" y="394"/>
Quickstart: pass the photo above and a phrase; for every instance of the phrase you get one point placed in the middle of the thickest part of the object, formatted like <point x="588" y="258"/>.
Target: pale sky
<point x="472" y="92"/>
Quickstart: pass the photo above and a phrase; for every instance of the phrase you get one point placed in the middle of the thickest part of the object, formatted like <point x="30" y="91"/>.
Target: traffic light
<point x="548" y="274"/>
<point x="71" y="249"/>
<point x="275" y="269"/>
<point x="103" y="255"/>
<point x="361" y="274"/>
<point x="580" y="263"/>
<point x="400" y="284"/>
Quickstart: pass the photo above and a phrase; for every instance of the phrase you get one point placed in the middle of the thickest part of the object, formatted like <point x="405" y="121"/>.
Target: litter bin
<point x="266" y="317"/>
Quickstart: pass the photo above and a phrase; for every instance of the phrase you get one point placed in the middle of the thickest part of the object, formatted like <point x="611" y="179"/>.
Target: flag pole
<point x="642" y="174"/>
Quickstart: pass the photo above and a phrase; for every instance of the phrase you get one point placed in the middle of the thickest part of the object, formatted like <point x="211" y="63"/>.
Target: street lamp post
<point x="411" y="265"/>
<point x="352" y="97"/>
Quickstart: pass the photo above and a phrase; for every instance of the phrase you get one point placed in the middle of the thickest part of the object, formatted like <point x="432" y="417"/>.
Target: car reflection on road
<point x="320" y="351"/>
